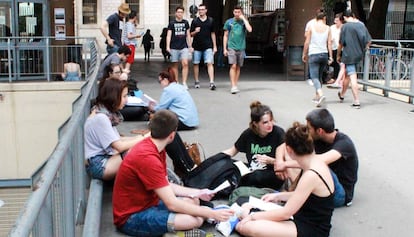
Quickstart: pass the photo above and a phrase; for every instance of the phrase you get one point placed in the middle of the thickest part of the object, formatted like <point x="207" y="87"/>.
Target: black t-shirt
<point x="202" y="40"/>
<point x="252" y="144"/>
<point x="346" y="167"/>
<point x="178" y="34"/>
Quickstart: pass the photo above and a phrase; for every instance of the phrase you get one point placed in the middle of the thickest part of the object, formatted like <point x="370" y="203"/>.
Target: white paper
<point x="262" y="205"/>
<point x="222" y="186"/>
<point x="242" y="168"/>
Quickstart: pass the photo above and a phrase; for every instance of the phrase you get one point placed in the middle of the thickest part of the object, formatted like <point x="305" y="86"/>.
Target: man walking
<point x="353" y="41"/>
<point x="234" y="44"/>
<point x="111" y="31"/>
<point x="204" y="45"/>
<point x="178" y="40"/>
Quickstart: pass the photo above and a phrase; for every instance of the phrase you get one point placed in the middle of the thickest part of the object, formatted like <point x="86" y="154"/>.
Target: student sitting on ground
<point x="336" y="149"/>
<point x="104" y="147"/>
<point x="144" y="203"/>
<point x="176" y="98"/>
<point x="311" y="204"/>
<point x="260" y="142"/>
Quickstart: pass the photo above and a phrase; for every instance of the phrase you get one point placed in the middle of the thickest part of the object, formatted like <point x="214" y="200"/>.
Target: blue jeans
<point x="207" y="55"/>
<point x="154" y="221"/>
<point x="350" y="69"/>
<point x="110" y="50"/>
<point x="96" y="166"/>
<point x="339" y="193"/>
<point x="317" y="63"/>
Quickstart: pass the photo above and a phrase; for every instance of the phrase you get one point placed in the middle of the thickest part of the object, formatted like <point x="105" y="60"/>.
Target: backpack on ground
<point x="212" y="172"/>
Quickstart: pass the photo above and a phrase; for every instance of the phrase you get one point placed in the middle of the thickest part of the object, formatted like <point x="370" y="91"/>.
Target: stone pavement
<point x="382" y="131"/>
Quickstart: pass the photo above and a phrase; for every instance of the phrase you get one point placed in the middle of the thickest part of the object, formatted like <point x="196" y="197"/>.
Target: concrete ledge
<point x="94" y="209"/>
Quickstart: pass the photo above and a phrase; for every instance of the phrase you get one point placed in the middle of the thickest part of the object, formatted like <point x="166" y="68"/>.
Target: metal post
<point x="367" y="66"/>
<point x="48" y="59"/>
<point x="9" y="59"/>
<point x="410" y="98"/>
<point x="388" y="73"/>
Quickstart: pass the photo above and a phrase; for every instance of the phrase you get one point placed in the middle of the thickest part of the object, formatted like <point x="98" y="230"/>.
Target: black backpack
<point x="212" y="172"/>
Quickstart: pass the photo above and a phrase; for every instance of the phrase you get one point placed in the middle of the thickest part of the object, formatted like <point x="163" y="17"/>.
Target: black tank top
<point x="314" y="217"/>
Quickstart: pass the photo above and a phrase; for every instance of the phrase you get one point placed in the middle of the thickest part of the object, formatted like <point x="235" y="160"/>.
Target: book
<point x="262" y="205"/>
<point x="140" y="99"/>
<point x="243" y="169"/>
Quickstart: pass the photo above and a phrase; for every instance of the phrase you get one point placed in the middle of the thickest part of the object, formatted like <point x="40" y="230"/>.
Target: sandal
<point x="341" y="99"/>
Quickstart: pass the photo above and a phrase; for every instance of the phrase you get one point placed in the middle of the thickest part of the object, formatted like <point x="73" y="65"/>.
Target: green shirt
<point x="236" y="34"/>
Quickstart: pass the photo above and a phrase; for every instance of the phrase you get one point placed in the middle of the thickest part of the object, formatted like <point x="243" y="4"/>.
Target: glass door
<point x="31" y="46"/>
<point x="23" y="23"/>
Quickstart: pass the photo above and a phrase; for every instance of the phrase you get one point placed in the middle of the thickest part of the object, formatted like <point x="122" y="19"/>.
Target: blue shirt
<point x="177" y="99"/>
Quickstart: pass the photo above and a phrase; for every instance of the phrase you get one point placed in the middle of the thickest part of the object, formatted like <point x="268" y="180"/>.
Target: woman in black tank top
<point x="308" y="209"/>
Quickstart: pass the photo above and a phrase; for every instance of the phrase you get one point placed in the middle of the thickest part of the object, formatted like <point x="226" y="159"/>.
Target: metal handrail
<point x="63" y="177"/>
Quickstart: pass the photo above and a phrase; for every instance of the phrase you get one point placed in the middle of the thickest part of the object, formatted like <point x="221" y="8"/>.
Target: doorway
<point x="22" y="46"/>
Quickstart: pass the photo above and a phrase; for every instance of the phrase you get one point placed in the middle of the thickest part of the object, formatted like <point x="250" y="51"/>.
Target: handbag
<point x="193" y="150"/>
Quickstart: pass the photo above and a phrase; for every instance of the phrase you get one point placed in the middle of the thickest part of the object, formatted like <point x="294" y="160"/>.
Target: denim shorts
<point x="96" y="166"/>
<point x="236" y="57"/>
<point x="339" y="193"/>
<point x="207" y="55"/>
<point x="154" y="221"/>
<point x="179" y="54"/>
<point x="350" y="69"/>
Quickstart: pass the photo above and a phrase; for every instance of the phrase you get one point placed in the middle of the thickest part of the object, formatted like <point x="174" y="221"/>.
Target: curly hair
<point x="299" y="139"/>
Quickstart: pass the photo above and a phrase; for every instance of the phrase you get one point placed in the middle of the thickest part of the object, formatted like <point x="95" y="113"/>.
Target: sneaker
<point x="185" y="86"/>
<point x="212" y="86"/>
<point x="320" y="101"/>
<point x="196" y="84"/>
<point x="356" y="106"/>
<point x="191" y="233"/>
<point x="341" y="98"/>
<point x="334" y="86"/>
<point x="310" y="82"/>
<point x="234" y="90"/>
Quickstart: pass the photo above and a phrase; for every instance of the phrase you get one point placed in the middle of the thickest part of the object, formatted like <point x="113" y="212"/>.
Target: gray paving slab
<point x="382" y="131"/>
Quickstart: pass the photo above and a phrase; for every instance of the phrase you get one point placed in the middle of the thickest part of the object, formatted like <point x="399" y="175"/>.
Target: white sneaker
<point x="234" y="90"/>
<point x="185" y="86"/>
<point x="320" y="101"/>
<point x="310" y="82"/>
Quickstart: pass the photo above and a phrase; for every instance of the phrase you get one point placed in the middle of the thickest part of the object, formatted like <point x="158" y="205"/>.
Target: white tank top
<point x="319" y="41"/>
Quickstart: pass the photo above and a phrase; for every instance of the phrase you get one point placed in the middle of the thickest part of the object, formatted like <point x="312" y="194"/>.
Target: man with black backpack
<point x="144" y="202"/>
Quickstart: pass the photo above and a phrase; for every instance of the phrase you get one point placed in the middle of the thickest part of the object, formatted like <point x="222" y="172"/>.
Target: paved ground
<point x="382" y="131"/>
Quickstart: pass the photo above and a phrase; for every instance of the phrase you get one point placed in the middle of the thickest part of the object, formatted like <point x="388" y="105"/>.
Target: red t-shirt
<point x="142" y="170"/>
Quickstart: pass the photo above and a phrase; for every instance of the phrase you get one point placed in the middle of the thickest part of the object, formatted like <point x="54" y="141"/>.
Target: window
<point x="134" y="5"/>
<point x="172" y="6"/>
<point x="89" y="11"/>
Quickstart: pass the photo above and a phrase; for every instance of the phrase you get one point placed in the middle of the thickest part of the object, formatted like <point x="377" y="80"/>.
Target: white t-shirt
<point x="335" y="32"/>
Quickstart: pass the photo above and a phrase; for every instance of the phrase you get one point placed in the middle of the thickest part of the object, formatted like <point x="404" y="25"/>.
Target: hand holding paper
<point x="208" y="194"/>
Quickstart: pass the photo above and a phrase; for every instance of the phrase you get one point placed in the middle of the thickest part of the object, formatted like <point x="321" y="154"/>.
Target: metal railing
<point x="387" y="65"/>
<point x="42" y="58"/>
<point x="58" y="200"/>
